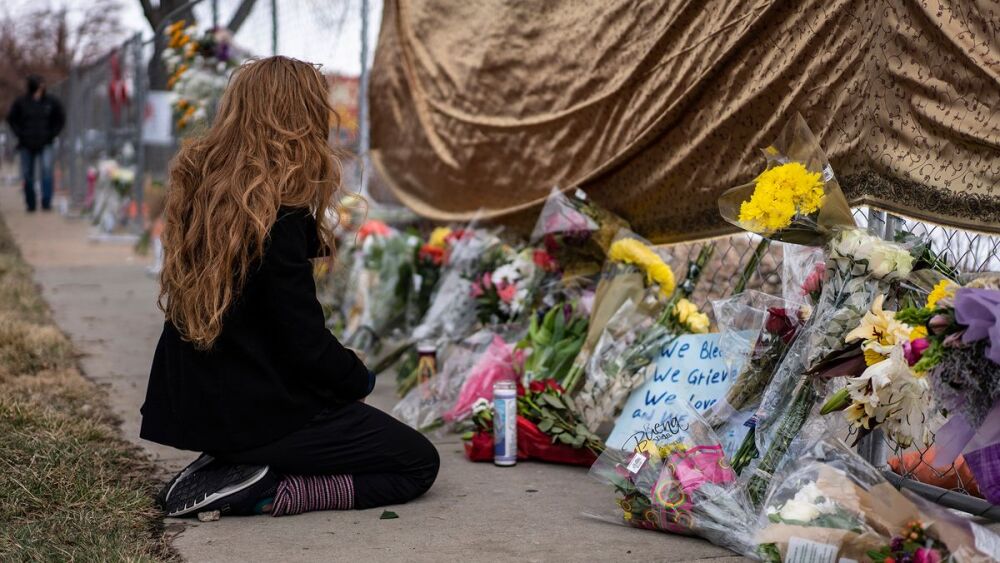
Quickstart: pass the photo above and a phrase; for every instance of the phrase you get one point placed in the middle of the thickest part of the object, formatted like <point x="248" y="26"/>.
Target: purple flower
<point x="979" y="310"/>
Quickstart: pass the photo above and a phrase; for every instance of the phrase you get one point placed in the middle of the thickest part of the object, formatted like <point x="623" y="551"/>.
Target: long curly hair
<point x="267" y="147"/>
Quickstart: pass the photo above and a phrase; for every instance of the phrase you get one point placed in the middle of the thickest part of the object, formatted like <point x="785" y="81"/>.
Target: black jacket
<point x="273" y="368"/>
<point x="36" y="123"/>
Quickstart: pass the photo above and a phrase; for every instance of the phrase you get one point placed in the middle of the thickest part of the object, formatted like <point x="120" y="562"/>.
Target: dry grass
<point x="70" y="488"/>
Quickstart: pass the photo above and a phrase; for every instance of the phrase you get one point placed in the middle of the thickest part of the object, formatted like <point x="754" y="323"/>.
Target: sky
<point x="321" y="31"/>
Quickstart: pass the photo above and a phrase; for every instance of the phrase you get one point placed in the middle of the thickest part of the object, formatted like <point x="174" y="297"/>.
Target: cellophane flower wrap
<point x="673" y="477"/>
<point x="828" y="495"/>
<point x="633" y="337"/>
<point x="859" y="267"/>
<point x="452" y="311"/>
<point x="384" y="254"/>
<point x="575" y="232"/>
<point x="466" y="372"/>
<point x="757" y="329"/>
<point x="622" y="279"/>
<point x="797" y="199"/>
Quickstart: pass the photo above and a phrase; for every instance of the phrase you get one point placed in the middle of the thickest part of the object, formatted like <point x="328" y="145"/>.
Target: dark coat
<point x="36" y="123"/>
<point x="273" y="368"/>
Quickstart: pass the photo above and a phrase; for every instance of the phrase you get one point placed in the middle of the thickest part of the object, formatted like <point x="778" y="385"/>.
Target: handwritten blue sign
<point x="691" y="369"/>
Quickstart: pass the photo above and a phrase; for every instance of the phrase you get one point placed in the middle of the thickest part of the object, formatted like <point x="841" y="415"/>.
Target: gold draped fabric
<point x="657" y="106"/>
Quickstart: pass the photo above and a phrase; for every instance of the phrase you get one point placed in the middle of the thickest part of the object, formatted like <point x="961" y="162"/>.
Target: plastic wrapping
<point x="575" y="232"/>
<point x="619" y="283"/>
<point x="802" y="273"/>
<point x="673" y="477"/>
<point x="756" y="331"/>
<point x="452" y="310"/>
<point x="797" y="198"/>
<point x="621" y="360"/>
<point x="424" y="405"/>
<point x="828" y="500"/>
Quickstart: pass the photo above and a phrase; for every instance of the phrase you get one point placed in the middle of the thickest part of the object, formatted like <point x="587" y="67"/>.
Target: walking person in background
<point x="36" y="119"/>
<point x="246" y="370"/>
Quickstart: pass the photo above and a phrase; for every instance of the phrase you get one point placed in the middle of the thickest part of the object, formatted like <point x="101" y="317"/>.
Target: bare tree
<point x="49" y="41"/>
<point x="165" y="12"/>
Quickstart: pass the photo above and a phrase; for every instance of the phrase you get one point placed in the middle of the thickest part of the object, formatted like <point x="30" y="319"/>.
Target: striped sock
<point x="305" y="493"/>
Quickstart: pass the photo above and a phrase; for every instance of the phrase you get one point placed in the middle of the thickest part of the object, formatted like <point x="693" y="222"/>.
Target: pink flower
<point x="487" y="280"/>
<point x="506" y="292"/>
<point x="814" y="282"/>
<point x="476" y="290"/>
<point x="914" y="350"/>
<point x="926" y="555"/>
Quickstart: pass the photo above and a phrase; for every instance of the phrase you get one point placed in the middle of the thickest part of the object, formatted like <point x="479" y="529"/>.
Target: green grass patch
<point x="70" y="487"/>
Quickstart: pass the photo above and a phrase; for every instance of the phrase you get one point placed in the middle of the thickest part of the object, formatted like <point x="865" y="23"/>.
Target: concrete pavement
<point x="102" y="298"/>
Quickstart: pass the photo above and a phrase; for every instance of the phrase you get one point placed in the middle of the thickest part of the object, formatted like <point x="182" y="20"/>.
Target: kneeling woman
<point x="245" y="369"/>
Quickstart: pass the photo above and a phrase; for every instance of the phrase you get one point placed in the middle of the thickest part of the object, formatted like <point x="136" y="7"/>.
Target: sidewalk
<point x="102" y="298"/>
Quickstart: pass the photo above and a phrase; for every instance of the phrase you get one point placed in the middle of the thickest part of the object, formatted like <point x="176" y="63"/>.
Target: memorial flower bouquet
<point x="633" y="337"/>
<point x="547" y="428"/>
<point x="427" y="264"/>
<point x="809" y="208"/>
<point x="504" y="285"/>
<point x="673" y="477"/>
<point x="888" y="393"/>
<point x="385" y="254"/>
<point x="199" y="67"/>
<point x="777" y="323"/>
<point x="575" y="233"/>
<point x="633" y="271"/>
<point x="962" y="360"/>
<point x="554" y="338"/>
<point x="831" y="503"/>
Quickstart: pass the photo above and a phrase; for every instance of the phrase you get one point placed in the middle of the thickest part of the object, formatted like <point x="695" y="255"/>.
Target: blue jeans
<point x="28" y="159"/>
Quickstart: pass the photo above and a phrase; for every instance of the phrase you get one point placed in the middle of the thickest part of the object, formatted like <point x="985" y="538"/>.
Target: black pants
<point x="390" y="462"/>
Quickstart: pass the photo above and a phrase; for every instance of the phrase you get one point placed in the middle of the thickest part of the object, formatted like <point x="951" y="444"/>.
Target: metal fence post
<point x="139" y="89"/>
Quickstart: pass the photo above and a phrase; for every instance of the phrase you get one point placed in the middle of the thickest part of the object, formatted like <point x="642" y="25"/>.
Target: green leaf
<point x="388" y="515"/>
<point x="566" y="439"/>
<point x="557" y="430"/>
<point x="553" y="400"/>
<point x="546" y="424"/>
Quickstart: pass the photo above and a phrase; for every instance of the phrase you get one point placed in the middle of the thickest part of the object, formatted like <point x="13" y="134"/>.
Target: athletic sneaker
<point x="209" y="484"/>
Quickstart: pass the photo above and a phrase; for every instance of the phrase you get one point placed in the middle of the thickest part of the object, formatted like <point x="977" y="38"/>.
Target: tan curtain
<point x="655" y="107"/>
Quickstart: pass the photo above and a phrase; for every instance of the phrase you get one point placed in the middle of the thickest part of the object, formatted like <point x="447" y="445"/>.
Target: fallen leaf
<point x="388" y="515"/>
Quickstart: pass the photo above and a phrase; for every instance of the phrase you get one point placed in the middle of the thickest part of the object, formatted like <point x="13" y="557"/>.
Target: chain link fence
<point x="103" y="119"/>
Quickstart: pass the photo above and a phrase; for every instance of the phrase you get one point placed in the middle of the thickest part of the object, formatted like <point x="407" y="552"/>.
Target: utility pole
<point x="364" y="144"/>
<point x="274" y="27"/>
<point x="215" y="14"/>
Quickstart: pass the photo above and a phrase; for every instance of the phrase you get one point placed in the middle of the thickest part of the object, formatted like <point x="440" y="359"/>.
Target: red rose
<point x="537" y="386"/>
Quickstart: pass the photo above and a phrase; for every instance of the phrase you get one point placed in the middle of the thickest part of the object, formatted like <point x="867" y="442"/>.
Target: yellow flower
<point x="918" y="332"/>
<point x="687" y="314"/>
<point x="627" y="516"/>
<point x="943" y="290"/>
<point x="872" y="357"/>
<point x="649" y="448"/>
<point x="438" y="236"/>
<point x="779" y="194"/>
<point x="669" y="448"/>
<point x="634" y="252"/>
